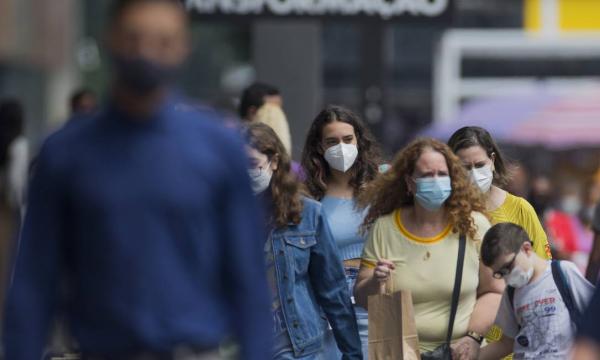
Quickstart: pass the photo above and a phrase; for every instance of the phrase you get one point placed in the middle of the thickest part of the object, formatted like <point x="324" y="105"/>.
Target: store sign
<point x="384" y="9"/>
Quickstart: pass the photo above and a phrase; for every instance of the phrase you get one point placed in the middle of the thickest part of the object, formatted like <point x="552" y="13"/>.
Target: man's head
<point x="508" y="251"/>
<point x="148" y="40"/>
<point x="83" y="101"/>
<point x="255" y="96"/>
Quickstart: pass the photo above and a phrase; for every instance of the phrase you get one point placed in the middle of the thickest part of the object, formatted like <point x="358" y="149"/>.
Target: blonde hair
<point x="273" y="116"/>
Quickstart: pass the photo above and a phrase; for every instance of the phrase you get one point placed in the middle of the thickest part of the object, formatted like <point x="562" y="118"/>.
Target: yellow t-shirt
<point x="518" y="211"/>
<point x="427" y="267"/>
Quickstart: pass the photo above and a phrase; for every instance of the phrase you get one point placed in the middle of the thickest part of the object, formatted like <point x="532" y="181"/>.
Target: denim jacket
<point x="310" y="282"/>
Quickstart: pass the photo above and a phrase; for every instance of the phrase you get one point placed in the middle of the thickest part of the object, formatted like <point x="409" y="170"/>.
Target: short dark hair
<point x="502" y="239"/>
<point x="254" y="96"/>
<point x="12" y="124"/>
<point x="119" y="6"/>
<point x="476" y="136"/>
<point x="77" y="96"/>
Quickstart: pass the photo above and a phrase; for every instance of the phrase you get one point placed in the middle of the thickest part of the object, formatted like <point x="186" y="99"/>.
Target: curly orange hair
<point x="389" y="191"/>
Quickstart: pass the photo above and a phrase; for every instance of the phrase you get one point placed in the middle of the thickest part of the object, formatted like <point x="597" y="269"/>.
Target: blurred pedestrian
<point x="519" y="183"/>
<point x="303" y="266"/>
<point x="14" y="152"/>
<point x="255" y="96"/>
<point x="587" y="346"/>
<point x="421" y="212"/>
<point x="543" y="298"/>
<point x="14" y="158"/>
<point x="565" y="231"/>
<point x="593" y="267"/>
<point x="147" y="214"/>
<point x="273" y="116"/>
<point x="541" y="195"/>
<point x="340" y="158"/>
<point x="83" y="102"/>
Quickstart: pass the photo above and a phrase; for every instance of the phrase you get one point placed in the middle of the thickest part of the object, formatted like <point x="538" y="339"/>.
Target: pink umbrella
<point x="546" y="120"/>
<point x="566" y="122"/>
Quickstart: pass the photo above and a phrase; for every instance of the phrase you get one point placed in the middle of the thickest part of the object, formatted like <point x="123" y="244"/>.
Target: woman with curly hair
<point x="418" y="213"/>
<point x="339" y="159"/>
<point x="304" y="270"/>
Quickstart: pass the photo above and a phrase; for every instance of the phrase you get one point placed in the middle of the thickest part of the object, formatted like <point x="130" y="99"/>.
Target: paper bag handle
<point x="386" y="286"/>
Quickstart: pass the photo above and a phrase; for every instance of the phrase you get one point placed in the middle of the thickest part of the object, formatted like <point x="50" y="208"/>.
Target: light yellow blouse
<point x="427" y="267"/>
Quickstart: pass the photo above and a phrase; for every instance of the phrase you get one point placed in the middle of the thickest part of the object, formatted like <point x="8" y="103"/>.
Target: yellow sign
<point x="571" y="15"/>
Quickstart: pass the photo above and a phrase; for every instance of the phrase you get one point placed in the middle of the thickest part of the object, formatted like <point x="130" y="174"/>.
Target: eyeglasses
<point x="505" y="270"/>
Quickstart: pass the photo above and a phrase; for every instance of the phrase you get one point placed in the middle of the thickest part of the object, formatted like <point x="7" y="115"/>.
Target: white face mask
<point x="570" y="204"/>
<point x="341" y="156"/>
<point x="519" y="277"/>
<point x="260" y="178"/>
<point x="483" y="177"/>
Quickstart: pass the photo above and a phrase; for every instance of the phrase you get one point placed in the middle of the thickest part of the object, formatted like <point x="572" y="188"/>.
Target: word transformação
<point x="382" y="8"/>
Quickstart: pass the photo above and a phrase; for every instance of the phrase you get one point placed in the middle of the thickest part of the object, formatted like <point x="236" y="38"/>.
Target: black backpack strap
<point x="565" y="292"/>
<point x="510" y="292"/>
<point x="462" y="242"/>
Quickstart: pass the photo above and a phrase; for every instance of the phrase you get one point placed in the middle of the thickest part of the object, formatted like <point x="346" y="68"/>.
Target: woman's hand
<point x="465" y="348"/>
<point x="371" y="280"/>
<point x="383" y="270"/>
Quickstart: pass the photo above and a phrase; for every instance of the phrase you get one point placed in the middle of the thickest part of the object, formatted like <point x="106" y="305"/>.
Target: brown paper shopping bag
<point x="392" y="328"/>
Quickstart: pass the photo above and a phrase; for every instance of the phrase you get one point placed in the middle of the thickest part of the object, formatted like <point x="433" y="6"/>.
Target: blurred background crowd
<point x="526" y="70"/>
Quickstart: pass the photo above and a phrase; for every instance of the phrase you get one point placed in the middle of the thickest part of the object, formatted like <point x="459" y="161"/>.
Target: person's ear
<point x="275" y="162"/>
<point x="527" y="247"/>
<point x="493" y="158"/>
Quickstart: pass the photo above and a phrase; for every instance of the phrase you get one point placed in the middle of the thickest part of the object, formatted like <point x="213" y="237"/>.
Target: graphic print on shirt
<point x="544" y="321"/>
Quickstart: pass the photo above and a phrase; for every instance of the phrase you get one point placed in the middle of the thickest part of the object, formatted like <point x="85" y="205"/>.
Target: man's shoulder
<point x="204" y="122"/>
<point x="71" y="133"/>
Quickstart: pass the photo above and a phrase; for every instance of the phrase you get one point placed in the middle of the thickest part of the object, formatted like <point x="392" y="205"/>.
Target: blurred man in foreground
<point x="147" y="214"/>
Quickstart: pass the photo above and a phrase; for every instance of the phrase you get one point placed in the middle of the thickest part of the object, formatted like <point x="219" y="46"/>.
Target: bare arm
<point x="489" y="294"/>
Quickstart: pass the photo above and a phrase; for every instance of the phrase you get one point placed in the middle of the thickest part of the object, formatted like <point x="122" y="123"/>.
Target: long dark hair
<point x="285" y="189"/>
<point x="366" y="166"/>
<point x="389" y="191"/>
<point x="476" y="136"/>
<point x="11" y="126"/>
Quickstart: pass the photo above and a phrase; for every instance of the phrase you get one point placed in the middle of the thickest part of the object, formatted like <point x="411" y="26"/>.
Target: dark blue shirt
<point x="588" y="327"/>
<point x="154" y="226"/>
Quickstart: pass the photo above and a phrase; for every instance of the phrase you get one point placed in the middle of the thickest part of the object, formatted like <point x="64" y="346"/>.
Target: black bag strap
<point x="510" y="292"/>
<point x="565" y="292"/>
<point x="462" y="242"/>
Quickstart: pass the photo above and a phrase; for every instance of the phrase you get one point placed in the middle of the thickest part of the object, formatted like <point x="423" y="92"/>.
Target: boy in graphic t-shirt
<point x="533" y="314"/>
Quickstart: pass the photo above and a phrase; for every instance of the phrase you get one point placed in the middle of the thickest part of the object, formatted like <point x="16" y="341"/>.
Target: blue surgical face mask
<point x="432" y="192"/>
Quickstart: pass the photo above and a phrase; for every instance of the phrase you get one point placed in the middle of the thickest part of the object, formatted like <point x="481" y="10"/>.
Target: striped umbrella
<point x="545" y="120"/>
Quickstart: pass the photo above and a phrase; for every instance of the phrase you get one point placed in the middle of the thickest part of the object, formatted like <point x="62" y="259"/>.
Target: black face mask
<point x="142" y="76"/>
